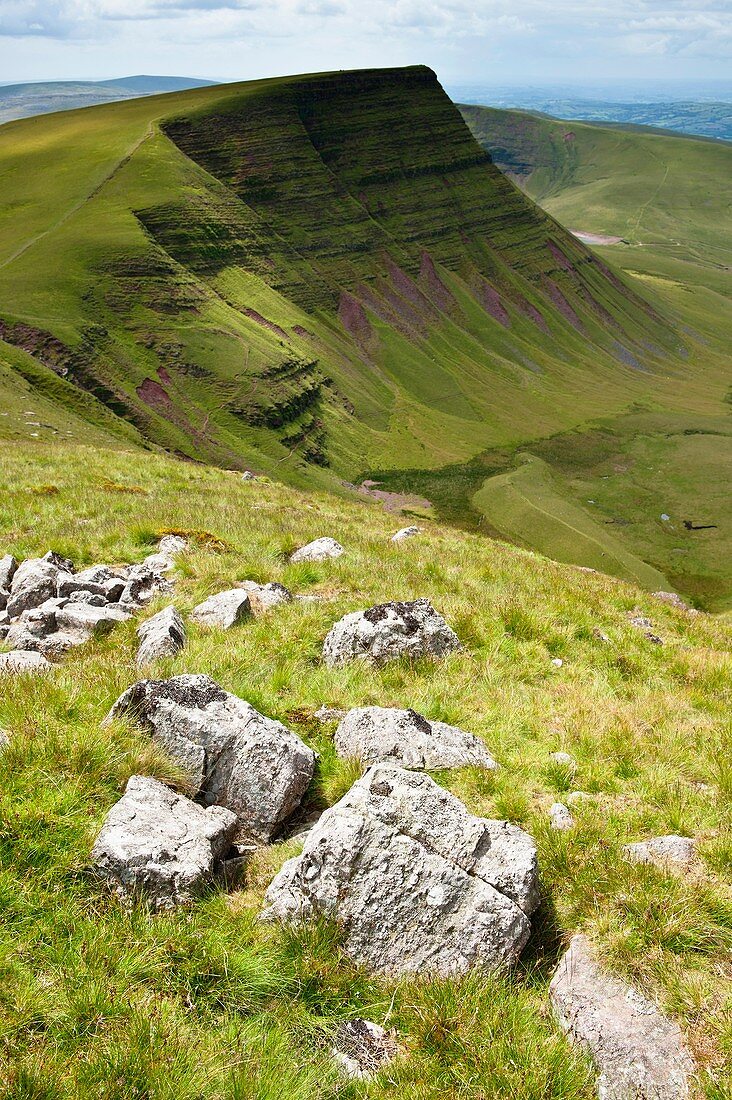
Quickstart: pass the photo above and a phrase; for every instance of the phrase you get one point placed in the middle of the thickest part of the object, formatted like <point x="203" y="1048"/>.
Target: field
<point x="103" y="1002"/>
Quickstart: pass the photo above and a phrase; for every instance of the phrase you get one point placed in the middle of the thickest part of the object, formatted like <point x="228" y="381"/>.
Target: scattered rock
<point x="405" y="738"/>
<point x="564" y="759"/>
<point x="248" y="476"/>
<point x="318" y="550"/>
<point x="263" y="597"/>
<point x="361" y="1048"/>
<point x="600" y="635"/>
<point x="557" y="662"/>
<point x="157" y="844"/>
<point x="34" y="581"/>
<point x="224" y="610"/>
<point x="560" y="818"/>
<point x="406" y="533"/>
<point x="163" y="635"/>
<point x="232" y="754"/>
<point x="670" y="853"/>
<point x="85" y="621"/>
<point x="640" y="1053"/>
<point x="416" y="883"/>
<point x="329" y="714"/>
<point x="672" y="598"/>
<point x="8" y="566"/>
<point x="639" y="621"/>
<point x="576" y="798"/>
<point x="172" y="545"/>
<point x="390" y="630"/>
<point x="22" y="662"/>
<point x="4" y="740"/>
<point x="142" y="584"/>
<point x="96" y="579"/>
<point x="87" y="597"/>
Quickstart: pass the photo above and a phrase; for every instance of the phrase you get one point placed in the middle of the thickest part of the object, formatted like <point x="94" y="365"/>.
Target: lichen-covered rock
<point x="163" y="635"/>
<point x="84" y="621"/>
<point x="157" y="844"/>
<point x="318" y="550"/>
<point x="34" y="581"/>
<point x="8" y="566"/>
<point x="361" y="1048"/>
<point x="24" y="663"/>
<point x="388" y="631"/>
<point x="406" y="533"/>
<point x="232" y="754"/>
<point x="264" y="597"/>
<point x="405" y="738"/>
<point x="416" y="883"/>
<point x="224" y="610"/>
<point x="141" y="585"/>
<point x="560" y="818"/>
<point x="96" y="580"/>
<point x="670" y="853"/>
<point x="640" y="1054"/>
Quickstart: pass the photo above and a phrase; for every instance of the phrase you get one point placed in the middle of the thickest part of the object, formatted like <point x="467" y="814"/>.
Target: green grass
<point x="103" y="1001"/>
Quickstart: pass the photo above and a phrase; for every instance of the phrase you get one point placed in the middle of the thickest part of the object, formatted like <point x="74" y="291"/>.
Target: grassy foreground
<point x="98" y="1001"/>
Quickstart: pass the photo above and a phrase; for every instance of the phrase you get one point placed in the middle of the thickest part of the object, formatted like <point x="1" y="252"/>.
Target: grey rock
<point x="4" y="597"/>
<point x="388" y="631"/>
<point x="159" y="845"/>
<point x="248" y="476"/>
<point x="4" y="740"/>
<point x="85" y="621"/>
<point x="325" y="713"/>
<point x="361" y="1048"/>
<point x="92" y="598"/>
<point x="172" y="545"/>
<point x="416" y="883"/>
<point x="564" y="760"/>
<point x="24" y="663"/>
<point x="232" y="754"/>
<point x="405" y="738"/>
<point x="64" y="565"/>
<point x="163" y="635"/>
<point x="318" y="550"/>
<point x="95" y="579"/>
<point x="560" y="818"/>
<point x="264" y="597"/>
<point x="673" y="598"/>
<point x="34" y="581"/>
<point x="8" y="566"/>
<point x="406" y="533"/>
<point x="141" y="585"/>
<point x="640" y="1054"/>
<point x="670" y="853"/>
<point x="224" y="610"/>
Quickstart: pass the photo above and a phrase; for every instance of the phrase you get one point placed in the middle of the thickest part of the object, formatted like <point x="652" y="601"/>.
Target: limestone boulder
<point x="318" y="550"/>
<point x="387" y="631"/>
<point x="159" y="845"/>
<point x="162" y="635"/>
<point x="233" y="755"/>
<point x="640" y="1054"/>
<point x="416" y="882"/>
<point x="224" y="610"/>
<point x="405" y="738"/>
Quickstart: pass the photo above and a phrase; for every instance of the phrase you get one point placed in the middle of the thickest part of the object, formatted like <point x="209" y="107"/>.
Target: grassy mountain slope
<point x="106" y="1002"/>
<point x="666" y="200"/>
<point x="42" y="97"/>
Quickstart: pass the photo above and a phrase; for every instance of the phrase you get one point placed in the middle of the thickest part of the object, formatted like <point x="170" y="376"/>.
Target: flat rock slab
<point x="405" y="738"/>
<point x="21" y="662"/>
<point x="416" y="882"/>
<point x="163" y="635"/>
<point x="387" y="631"/>
<point x="639" y="1052"/>
<point x="232" y="754"/>
<point x="224" y="610"/>
<point x="670" y="853"/>
<point x="318" y="550"/>
<point x="159" y="845"/>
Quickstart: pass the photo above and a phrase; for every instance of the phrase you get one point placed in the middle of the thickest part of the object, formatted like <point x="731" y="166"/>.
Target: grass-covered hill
<point x="303" y="274"/>
<point x="42" y="97"/>
<point x="102" y="1001"/>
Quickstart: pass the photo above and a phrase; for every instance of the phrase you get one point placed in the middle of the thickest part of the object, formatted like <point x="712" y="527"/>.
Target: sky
<point x="465" y="41"/>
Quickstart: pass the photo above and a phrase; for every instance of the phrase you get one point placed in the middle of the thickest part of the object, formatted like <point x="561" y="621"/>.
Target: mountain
<point x="321" y="277"/>
<point x="24" y="100"/>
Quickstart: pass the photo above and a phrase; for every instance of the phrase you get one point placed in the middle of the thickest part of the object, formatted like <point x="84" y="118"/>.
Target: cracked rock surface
<point x="403" y="737"/>
<point x="416" y="882"/>
<point x="388" y="631"/>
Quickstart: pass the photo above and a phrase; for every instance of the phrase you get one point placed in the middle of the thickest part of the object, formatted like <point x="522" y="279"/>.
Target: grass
<point x="103" y="1001"/>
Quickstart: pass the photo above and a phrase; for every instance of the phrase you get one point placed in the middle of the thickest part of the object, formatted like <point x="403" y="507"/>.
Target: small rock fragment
<point x="564" y="759"/>
<point x="160" y="845"/>
<point x="406" y="533"/>
<point x="361" y="1048"/>
<point x="673" y="598"/>
<point x="318" y="550"/>
<point x="575" y="798"/>
<point x="640" y="1054"/>
<point x="163" y="635"/>
<point x="388" y="631"/>
<point x="224" y="610"/>
<point x="405" y="738"/>
<point x="560" y="817"/>
<point x="670" y="853"/>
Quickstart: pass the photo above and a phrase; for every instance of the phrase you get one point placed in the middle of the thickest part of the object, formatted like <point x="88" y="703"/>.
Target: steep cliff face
<point x="318" y="272"/>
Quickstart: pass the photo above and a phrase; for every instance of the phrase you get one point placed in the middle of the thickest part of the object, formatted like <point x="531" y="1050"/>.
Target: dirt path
<point x="78" y="205"/>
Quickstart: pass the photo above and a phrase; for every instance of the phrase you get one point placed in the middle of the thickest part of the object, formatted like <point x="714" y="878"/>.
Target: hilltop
<point x="109" y="1000"/>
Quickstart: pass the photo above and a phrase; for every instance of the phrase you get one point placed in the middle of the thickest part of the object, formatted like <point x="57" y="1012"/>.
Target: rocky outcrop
<point x="639" y="1053"/>
<point x="416" y="883"/>
<point x="224" y="610"/>
<point x="318" y="550"/>
<point x="231" y="753"/>
<point x="162" y="635"/>
<point x="405" y="738"/>
<point x="388" y="631"/>
<point x="158" y="845"/>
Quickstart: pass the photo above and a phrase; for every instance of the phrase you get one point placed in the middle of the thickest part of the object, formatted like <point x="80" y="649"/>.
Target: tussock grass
<point x="101" y="1001"/>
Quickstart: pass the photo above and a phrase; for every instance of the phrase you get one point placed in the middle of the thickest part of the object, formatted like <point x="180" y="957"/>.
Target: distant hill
<point x="24" y="100"/>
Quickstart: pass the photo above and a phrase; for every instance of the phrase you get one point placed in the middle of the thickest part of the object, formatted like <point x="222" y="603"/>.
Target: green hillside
<point x="107" y="1001"/>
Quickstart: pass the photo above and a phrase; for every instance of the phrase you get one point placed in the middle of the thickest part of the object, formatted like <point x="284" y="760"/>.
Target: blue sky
<point x="491" y="41"/>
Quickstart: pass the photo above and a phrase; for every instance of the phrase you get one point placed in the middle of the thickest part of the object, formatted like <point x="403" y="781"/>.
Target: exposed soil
<point x="391" y="502"/>
<point x="595" y="238"/>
